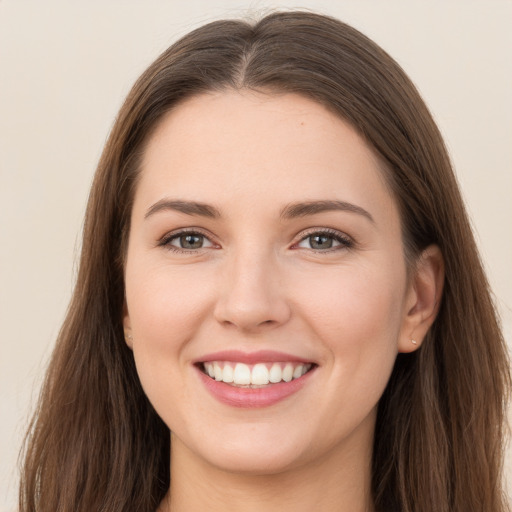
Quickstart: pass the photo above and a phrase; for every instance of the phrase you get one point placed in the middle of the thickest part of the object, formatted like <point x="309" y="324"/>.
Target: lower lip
<point x="252" y="397"/>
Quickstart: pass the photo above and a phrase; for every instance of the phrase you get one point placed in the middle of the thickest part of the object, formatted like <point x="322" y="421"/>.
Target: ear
<point x="127" y="326"/>
<point x="423" y="298"/>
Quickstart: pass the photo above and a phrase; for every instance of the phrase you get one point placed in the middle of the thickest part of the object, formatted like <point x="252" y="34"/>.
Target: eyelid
<point x="165" y="240"/>
<point x="346" y="242"/>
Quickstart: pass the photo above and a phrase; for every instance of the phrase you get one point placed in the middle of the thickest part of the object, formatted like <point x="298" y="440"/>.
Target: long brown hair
<point x="96" y="443"/>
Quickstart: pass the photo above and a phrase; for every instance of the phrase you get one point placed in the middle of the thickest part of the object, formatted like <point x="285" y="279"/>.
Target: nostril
<point x="251" y="311"/>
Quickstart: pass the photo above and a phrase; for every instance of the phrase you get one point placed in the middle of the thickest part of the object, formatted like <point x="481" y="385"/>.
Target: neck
<point x="329" y="485"/>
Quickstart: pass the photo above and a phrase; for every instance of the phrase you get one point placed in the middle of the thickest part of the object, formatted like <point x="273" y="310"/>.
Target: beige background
<point x="65" y="67"/>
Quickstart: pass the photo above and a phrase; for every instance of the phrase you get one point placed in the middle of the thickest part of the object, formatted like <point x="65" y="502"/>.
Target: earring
<point x="129" y="337"/>
<point x="414" y="342"/>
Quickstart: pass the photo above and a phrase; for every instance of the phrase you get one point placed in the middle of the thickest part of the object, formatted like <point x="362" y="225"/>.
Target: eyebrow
<point x="187" y="207"/>
<point x="291" y="211"/>
<point x="303" y="209"/>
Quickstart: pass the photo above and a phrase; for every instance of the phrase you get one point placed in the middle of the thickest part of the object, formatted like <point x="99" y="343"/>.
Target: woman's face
<point x="265" y="250"/>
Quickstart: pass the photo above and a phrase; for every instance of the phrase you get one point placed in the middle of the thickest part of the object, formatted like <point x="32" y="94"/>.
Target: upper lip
<point x="259" y="356"/>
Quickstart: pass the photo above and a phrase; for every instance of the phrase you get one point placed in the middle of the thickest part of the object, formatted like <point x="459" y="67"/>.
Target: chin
<point x="253" y="453"/>
<point x="262" y="462"/>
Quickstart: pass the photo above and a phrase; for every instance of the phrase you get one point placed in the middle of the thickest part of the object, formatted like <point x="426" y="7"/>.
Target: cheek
<point x="348" y="301"/>
<point x="357" y="316"/>
<point x="165" y="307"/>
<point x="164" y="304"/>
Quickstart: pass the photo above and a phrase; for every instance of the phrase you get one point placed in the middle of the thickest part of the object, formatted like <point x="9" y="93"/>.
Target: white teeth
<point x="242" y="374"/>
<point x="217" y="371"/>
<point x="261" y="374"/>
<point x="298" y="371"/>
<point x="276" y="374"/>
<point x="288" y="373"/>
<point x="227" y="374"/>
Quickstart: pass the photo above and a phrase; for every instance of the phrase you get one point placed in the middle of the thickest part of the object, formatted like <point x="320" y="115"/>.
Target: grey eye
<point x="320" y="241"/>
<point x="324" y="241"/>
<point x="191" y="241"/>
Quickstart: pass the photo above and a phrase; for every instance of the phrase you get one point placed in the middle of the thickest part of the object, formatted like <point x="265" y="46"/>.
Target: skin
<point x="257" y="284"/>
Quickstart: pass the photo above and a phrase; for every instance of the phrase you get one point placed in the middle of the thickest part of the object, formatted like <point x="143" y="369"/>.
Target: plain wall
<point x="65" y="68"/>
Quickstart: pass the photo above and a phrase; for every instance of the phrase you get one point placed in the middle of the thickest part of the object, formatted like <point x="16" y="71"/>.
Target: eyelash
<point x="344" y="241"/>
<point x="166" y="240"/>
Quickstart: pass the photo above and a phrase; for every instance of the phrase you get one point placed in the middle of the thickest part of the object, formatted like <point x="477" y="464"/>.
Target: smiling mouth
<point x="254" y="375"/>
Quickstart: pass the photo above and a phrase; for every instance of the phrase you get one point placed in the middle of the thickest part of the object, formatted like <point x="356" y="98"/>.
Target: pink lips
<point x="252" y="397"/>
<point x="266" y="356"/>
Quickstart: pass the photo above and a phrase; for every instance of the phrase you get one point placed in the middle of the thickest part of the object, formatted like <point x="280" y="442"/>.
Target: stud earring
<point x="129" y="337"/>
<point x="414" y="342"/>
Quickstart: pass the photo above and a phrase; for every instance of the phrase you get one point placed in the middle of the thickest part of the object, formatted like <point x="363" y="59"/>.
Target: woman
<point x="279" y="288"/>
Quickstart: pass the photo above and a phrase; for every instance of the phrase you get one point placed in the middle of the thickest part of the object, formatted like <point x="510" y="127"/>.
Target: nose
<point x="251" y="295"/>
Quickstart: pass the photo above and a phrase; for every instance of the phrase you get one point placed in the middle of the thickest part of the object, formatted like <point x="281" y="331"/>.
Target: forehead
<point x="217" y="146"/>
